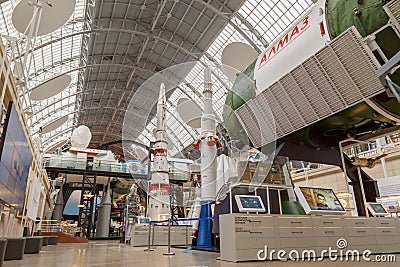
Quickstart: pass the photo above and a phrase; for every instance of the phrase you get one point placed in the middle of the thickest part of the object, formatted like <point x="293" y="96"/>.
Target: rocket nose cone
<point x="162" y="92"/>
<point x="162" y="89"/>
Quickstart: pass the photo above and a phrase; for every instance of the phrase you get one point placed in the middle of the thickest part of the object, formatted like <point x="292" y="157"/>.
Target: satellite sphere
<point x="81" y="137"/>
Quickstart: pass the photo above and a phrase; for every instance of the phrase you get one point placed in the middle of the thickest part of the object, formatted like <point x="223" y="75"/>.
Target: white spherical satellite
<point x="81" y="137"/>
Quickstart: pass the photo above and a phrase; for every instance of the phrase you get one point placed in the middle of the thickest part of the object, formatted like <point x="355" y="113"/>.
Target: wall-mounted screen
<point x="15" y="160"/>
<point x="319" y="200"/>
<point x="377" y="209"/>
<point x="144" y="220"/>
<point x="249" y="203"/>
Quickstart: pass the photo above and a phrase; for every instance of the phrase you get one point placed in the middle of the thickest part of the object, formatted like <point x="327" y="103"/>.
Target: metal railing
<point x="179" y="175"/>
<point x="56" y="227"/>
<point x="49" y="226"/>
<point x="365" y="152"/>
<point x="102" y="166"/>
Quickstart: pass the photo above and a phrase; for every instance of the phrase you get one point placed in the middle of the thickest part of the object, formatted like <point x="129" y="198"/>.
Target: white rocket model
<point x="159" y="190"/>
<point x="195" y="210"/>
<point x="208" y="144"/>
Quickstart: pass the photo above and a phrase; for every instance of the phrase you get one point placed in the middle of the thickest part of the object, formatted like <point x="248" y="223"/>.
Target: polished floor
<point x="111" y="253"/>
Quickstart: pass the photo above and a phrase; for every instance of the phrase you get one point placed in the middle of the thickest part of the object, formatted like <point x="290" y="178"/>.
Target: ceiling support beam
<point x="150" y="31"/>
<point x="236" y="27"/>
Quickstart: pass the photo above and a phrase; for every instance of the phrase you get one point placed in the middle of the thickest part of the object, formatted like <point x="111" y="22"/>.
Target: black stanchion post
<point x="169" y="253"/>
<point x="186" y="235"/>
<point x="152" y="237"/>
<point x="148" y="240"/>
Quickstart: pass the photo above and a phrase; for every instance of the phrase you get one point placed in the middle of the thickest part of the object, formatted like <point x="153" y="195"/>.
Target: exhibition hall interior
<point x="199" y="133"/>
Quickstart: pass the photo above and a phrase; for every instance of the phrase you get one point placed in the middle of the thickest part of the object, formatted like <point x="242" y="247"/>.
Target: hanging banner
<point x="34" y="198"/>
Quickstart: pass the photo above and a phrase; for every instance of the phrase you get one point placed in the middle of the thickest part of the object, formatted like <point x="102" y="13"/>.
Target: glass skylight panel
<point x="52" y="137"/>
<point x="189" y="93"/>
<point x="65" y="94"/>
<point x="186" y="134"/>
<point x="48" y="61"/>
<point x="54" y="140"/>
<point x="227" y="36"/>
<point x="271" y="18"/>
<point x="58" y="108"/>
<point x="142" y="138"/>
<point x="174" y="127"/>
<point x="61" y="52"/>
<point x="6" y="27"/>
<point x="55" y="53"/>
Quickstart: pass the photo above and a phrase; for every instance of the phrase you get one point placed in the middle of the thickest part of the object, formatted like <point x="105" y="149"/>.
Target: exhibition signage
<point x="34" y="198"/>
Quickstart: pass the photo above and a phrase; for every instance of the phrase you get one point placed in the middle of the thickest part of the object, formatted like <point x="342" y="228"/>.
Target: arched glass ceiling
<point x="257" y="23"/>
<point x="61" y="51"/>
<point x="262" y="21"/>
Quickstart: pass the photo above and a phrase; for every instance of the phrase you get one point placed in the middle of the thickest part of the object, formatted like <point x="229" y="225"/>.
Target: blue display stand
<point x="204" y="234"/>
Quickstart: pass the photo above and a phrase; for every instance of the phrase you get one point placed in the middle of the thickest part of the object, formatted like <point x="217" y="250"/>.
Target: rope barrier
<point x="155" y="223"/>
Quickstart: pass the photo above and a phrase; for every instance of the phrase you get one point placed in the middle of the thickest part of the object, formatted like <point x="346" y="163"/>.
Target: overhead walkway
<point x="119" y="170"/>
<point x="130" y="170"/>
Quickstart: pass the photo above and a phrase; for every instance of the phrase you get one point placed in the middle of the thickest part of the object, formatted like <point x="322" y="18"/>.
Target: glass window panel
<point x="61" y="51"/>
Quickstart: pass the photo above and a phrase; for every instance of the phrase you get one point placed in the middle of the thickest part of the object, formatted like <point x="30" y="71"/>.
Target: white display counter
<point x="243" y="236"/>
<point x="180" y="235"/>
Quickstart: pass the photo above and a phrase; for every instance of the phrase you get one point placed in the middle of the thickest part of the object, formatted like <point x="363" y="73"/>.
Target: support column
<point x="104" y="215"/>
<point x="59" y="206"/>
